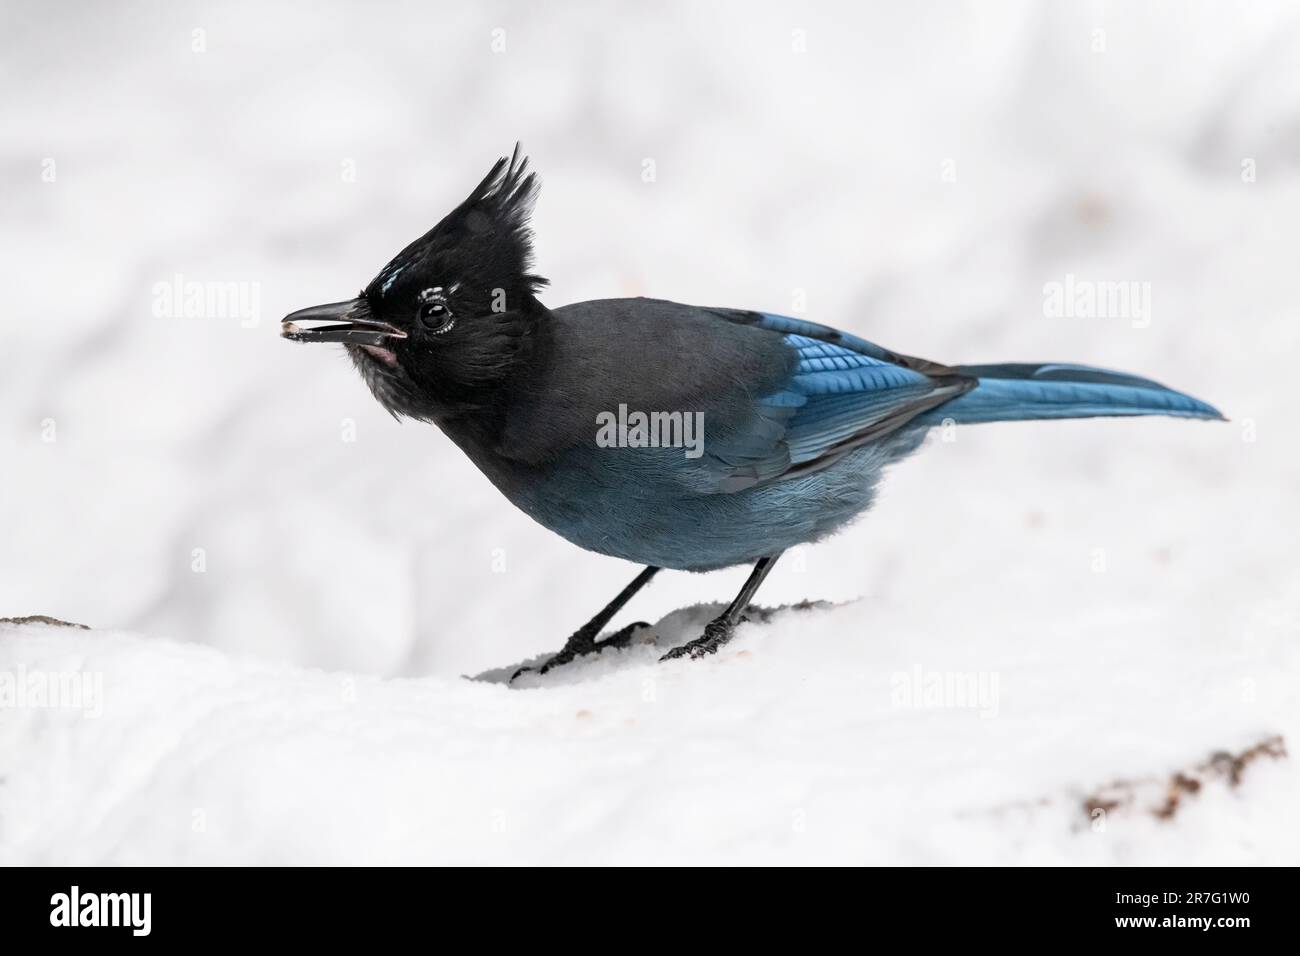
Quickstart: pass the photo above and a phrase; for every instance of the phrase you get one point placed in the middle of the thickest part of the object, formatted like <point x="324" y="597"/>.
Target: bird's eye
<point x="434" y="313"/>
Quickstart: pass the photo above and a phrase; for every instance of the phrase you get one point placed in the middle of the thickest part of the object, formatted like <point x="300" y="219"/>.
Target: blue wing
<point x="842" y="392"/>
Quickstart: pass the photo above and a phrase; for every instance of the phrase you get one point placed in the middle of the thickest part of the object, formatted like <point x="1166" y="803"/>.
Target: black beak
<point x="349" y="322"/>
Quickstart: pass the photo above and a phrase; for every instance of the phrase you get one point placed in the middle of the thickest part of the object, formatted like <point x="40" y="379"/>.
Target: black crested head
<point x="483" y="246"/>
<point x="441" y="327"/>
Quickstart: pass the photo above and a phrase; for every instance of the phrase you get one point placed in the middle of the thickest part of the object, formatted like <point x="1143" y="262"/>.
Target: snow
<point x="285" y="587"/>
<point x="794" y="744"/>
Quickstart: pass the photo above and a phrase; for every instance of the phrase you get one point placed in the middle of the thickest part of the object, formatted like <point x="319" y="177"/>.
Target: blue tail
<point x="1013" y="393"/>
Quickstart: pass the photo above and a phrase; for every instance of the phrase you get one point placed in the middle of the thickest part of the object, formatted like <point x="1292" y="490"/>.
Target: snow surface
<point x="286" y="587"/>
<point x="792" y="745"/>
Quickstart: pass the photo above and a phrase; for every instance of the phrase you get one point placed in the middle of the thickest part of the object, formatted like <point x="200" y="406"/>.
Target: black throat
<point x="468" y="382"/>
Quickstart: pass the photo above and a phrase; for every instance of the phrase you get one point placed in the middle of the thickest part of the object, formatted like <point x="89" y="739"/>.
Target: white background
<point x="1132" y="583"/>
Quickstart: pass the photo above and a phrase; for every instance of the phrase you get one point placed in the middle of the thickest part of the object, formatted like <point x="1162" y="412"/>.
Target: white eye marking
<point x="438" y="292"/>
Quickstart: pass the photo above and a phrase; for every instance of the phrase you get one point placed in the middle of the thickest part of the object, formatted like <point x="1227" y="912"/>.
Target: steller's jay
<point x="669" y="435"/>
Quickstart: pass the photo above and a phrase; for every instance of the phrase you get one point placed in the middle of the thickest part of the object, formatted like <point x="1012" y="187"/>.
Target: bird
<point x="672" y="436"/>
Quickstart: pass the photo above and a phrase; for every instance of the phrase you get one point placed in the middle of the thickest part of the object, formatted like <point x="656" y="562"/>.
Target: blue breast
<point x="620" y="505"/>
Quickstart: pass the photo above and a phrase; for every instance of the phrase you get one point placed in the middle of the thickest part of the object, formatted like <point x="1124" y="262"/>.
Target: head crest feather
<point x="488" y="233"/>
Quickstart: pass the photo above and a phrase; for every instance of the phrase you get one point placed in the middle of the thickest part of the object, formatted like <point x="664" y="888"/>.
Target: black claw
<point x="716" y="633"/>
<point x="580" y="645"/>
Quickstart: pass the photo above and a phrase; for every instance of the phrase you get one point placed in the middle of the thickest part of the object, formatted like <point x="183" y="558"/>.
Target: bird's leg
<point x="720" y="629"/>
<point x="583" y="640"/>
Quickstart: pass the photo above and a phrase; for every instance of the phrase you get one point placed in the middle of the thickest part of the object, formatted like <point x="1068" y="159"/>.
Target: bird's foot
<point x="716" y="633"/>
<point x="582" y="643"/>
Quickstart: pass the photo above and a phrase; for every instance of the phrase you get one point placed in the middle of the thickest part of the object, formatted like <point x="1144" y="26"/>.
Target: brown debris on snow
<point x="1170" y="796"/>
<point x="41" y="619"/>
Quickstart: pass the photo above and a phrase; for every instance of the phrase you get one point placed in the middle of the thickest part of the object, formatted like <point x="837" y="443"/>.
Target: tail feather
<point x="1023" y="392"/>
